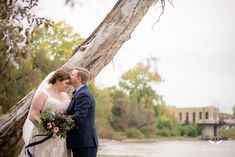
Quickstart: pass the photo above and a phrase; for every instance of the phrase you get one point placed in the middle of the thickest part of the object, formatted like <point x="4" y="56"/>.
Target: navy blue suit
<point x="83" y="140"/>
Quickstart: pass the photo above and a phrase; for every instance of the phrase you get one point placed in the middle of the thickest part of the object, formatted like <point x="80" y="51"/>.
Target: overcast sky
<point x="194" y="43"/>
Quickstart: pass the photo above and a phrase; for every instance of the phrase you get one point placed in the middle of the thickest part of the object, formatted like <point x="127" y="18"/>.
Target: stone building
<point x="207" y="117"/>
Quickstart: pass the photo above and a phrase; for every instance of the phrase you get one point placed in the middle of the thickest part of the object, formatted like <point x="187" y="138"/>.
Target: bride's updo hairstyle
<point x="59" y="75"/>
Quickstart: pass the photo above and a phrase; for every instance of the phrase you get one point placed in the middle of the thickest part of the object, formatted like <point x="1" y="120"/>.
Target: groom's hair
<point x="84" y="74"/>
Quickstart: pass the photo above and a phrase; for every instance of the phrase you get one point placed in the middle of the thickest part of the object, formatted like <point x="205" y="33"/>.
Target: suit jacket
<point x="82" y="110"/>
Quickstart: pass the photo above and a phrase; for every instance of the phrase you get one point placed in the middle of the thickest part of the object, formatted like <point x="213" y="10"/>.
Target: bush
<point x="118" y="135"/>
<point x="189" y="130"/>
<point x="134" y="133"/>
<point x="182" y="130"/>
<point x="229" y="133"/>
<point x="165" y="122"/>
<point x="166" y="126"/>
<point x="103" y="129"/>
<point x="164" y="132"/>
<point x="149" y="131"/>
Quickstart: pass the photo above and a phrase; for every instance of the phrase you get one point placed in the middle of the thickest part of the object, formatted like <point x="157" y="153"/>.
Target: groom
<point x="82" y="140"/>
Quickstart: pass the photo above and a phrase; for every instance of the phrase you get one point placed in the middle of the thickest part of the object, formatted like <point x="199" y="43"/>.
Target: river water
<point x="166" y="148"/>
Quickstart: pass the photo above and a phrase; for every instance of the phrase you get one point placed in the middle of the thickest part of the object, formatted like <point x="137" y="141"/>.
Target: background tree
<point x="166" y="123"/>
<point x="50" y="48"/>
<point x="121" y="110"/>
<point x="134" y="101"/>
<point x="16" y="26"/>
<point x="54" y="46"/>
<point x="13" y="86"/>
<point x="138" y="83"/>
<point x="103" y="111"/>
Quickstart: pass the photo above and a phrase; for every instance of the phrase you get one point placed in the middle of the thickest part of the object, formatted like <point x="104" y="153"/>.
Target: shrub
<point x="164" y="122"/>
<point x="164" y="132"/>
<point x="230" y="133"/>
<point x="134" y="133"/>
<point x="189" y="130"/>
<point x="118" y="135"/>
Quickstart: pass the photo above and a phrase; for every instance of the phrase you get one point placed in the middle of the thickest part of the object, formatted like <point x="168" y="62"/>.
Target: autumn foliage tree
<point x="138" y="83"/>
<point x="50" y="48"/>
<point x="16" y="28"/>
<point x="134" y="101"/>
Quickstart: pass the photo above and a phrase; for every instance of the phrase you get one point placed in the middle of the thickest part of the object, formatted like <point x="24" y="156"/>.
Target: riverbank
<point x="172" y="138"/>
<point x="178" y="138"/>
<point x="165" y="147"/>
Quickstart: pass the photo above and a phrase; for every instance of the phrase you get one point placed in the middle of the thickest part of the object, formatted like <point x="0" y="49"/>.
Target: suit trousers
<point x="85" y="152"/>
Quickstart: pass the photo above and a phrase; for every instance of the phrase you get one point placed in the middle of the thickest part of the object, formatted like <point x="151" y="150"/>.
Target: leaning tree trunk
<point x="96" y="52"/>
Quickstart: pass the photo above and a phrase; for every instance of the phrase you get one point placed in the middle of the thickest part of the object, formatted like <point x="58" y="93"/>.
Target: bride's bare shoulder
<point x="41" y="94"/>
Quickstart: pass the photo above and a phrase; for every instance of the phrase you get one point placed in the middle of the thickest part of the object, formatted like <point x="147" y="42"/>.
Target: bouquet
<point x="55" y="123"/>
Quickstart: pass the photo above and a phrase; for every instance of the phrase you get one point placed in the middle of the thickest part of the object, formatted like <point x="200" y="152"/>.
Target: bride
<point x="51" y="95"/>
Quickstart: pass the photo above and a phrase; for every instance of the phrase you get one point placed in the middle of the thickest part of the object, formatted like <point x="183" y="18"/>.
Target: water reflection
<point x="156" y="148"/>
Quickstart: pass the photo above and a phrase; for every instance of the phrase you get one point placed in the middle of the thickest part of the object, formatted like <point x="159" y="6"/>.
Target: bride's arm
<point x="36" y="106"/>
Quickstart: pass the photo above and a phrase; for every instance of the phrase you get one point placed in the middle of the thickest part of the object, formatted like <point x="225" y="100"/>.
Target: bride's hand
<point x="35" y="120"/>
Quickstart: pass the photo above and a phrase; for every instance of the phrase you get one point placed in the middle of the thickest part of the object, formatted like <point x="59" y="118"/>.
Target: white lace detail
<point x="53" y="147"/>
<point x="55" y="104"/>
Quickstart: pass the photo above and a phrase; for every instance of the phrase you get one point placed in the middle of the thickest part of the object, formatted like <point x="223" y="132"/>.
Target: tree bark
<point x="95" y="53"/>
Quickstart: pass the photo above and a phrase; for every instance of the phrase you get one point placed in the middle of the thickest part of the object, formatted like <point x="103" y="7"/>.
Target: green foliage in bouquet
<point x="55" y="123"/>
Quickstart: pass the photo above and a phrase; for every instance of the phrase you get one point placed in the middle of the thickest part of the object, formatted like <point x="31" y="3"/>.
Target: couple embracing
<point x="51" y="94"/>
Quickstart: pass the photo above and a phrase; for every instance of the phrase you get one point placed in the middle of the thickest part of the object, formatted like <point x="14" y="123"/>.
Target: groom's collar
<point x="79" y="88"/>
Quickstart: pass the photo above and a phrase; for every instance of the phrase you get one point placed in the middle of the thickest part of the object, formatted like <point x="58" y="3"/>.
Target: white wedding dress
<point x="53" y="147"/>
